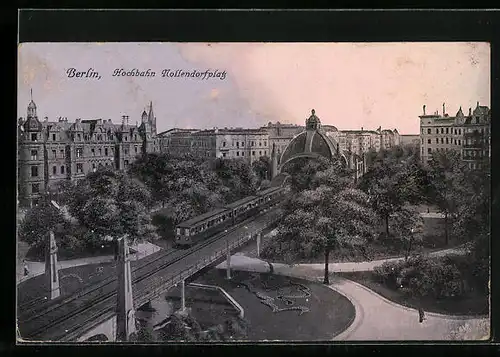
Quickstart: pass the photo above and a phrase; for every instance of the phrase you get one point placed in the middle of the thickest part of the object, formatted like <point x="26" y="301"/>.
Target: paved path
<point x="376" y="317"/>
<point x="38" y="268"/>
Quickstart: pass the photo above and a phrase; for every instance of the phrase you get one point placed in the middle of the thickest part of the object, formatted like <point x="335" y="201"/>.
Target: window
<point x="79" y="152"/>
<point x="33" y="136"/>
<point x="253" y="153"/>
<point x="53" y="137"/>
<point x="437" y="140"/>
<point x="459" y="142"/>
<point x="224" y="144"/>
<point x="455" y="141"/>
<point x="135" y="147"/>
<point x="428" y="131"/>
<point x="93" y="151"/>
<point x="106" y="151"/>
<point x="100" y="152"/>
<point x="437" y="130"/>
<point x="125" y="150"/>
<point x="54" y="170"/>
<point x="260" y="153"/>
<point x="429" y="150"/>
<point x="34" y="171"/>
<point x="126" y="163"/>
<point x="459" y="131"/>
<point x="237" y="144"/>
<point x="62" y="152"/>
<point x="442" y="141"/>
<point x="62" y="169"/>
<point x="79" y="168"/>
<point x="442" y="131"/>
<point x="237" y="153"/>
<point x="446" y="140"/>
<point x="260" y="143"/>
<point x="34" y="154"/>
<point x="223" y="154"/>
<point x="428" y="141"/>
<point x="265" y="143"/>
<point x="126" y="138"/>
<point x="54" y="154"/>
<point x="446" y="130"/>
<point x="93" y="166"/>
<point x="35" y="187"/>
<point x="265" y="152"/>
<point x="79" y="136"/>
<point x="242" y="143"/>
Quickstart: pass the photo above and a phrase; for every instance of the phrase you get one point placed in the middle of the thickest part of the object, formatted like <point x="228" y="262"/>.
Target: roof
<point x="195" y="220"/>
<point x="240" y="202"/>
<point x="311" y="142"/>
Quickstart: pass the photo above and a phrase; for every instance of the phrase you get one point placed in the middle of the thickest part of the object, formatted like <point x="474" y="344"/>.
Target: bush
<point x="423" y="277"/>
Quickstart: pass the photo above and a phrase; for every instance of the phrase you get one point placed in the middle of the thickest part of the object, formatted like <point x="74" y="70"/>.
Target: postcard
<point x="235" y="192"/>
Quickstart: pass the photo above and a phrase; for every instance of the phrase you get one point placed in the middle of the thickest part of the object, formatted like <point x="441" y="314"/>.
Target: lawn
<point x="471" y="304"/>
<point x="329" y="312"/>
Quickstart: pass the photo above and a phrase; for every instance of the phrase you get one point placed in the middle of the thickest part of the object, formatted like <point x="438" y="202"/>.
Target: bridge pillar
<point x="125" y="316"/>
<point x="183" y="295"/>
<point x="228" y="261"/>
<point x="51" y="268"/>
<point x="259" y="235"/>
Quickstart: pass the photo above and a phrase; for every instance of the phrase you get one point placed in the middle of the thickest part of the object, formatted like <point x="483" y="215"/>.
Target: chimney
<point x="424" y="109"/>
<point x="477" y="104"/>
<point x="470" y="112"/>
<point x="361" y="128"/>
<point x="444" y="111"/>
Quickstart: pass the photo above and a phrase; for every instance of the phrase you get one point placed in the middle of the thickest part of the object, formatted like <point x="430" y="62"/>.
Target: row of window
<point x="444" y="141"/>
<point x="252" y="143"/>
<point x="243" y="153"/>
<point x="100" y="137"/>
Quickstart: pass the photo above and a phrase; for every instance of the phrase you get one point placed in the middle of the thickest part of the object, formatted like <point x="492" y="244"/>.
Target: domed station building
<point x="313" y="143"/>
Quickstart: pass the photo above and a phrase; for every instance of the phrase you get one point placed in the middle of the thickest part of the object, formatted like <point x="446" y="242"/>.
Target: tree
<point x="449" y="184"/>
<point x="37" y="223"/>
<point x="262" y="168"/>
<point x="302" y="171"/>
<point x="112" y="203"/>
<point x="382" y="185"/>
<point x="408" y="227"/>
<point x="332" y="215"/>
<point x="237" y="176"/>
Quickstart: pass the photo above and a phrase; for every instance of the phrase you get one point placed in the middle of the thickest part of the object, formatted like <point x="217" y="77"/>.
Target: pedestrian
<point x="26" y="270"/>
<point x="421" y="314"/>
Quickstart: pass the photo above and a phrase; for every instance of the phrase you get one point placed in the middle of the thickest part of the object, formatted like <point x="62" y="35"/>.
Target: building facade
<point x="50" y="152"/>
<point x="468" y="135"/>
<point x="280" y="135"/>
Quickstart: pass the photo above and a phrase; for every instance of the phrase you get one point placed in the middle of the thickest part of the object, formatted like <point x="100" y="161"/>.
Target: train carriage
<point x="200" y="227"/>
<point x="203" y="226"/>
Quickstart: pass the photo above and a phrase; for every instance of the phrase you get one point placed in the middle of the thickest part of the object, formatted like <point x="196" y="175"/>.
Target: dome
<point x="309" y="143"/>
<point x="32" y="124"/>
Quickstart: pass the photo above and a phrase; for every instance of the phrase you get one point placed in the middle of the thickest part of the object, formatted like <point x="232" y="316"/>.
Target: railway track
<point x="92" y="302"/>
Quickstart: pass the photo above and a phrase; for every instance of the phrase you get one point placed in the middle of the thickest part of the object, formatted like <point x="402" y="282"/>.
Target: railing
<point x="167" y="283"/>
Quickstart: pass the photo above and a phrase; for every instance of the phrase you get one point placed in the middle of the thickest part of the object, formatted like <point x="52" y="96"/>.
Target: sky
<point x="350" y="85"/>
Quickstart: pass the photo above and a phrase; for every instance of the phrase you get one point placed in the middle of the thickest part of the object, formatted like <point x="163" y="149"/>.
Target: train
<point x="201" y="227"/>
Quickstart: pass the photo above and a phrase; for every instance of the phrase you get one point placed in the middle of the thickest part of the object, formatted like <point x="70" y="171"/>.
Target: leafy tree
<point x="449" y="184"/>
<point x="408" y="226"/>
<point x="37" y="223"/>
<point x="262" y="168"/>
<point x="333" y="215"/>
<point x="302" y="171"/>
<point x="237" y="176"/>
<point x="112" y="203"/>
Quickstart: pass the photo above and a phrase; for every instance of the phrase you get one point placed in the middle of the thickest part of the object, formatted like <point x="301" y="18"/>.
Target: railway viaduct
<point x="105" y="311"/>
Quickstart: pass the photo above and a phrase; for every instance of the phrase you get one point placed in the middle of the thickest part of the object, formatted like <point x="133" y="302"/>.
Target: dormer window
<point x="79" y="136"/>
<point x="53" y="137"/>
<point x="34" y="137"/>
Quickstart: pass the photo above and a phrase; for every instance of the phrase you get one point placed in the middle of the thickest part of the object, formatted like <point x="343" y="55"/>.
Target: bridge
<point x="93" y="310"/>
